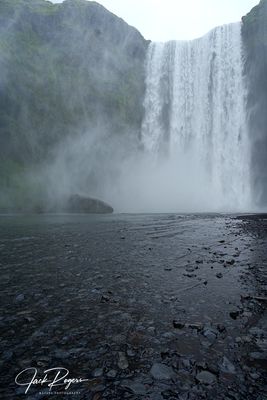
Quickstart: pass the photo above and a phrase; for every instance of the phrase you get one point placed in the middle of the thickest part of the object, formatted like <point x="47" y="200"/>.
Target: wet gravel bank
<point x="144" y="307"/>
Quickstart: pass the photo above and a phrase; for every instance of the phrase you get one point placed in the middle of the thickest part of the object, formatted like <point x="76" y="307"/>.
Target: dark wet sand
<point x="144" y="306"/>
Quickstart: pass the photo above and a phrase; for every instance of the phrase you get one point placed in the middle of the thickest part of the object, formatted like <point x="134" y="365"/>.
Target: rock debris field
<point x="139" y="306"/>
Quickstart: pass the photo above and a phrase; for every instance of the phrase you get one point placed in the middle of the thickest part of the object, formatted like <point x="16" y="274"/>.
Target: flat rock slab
<point x="206" y="377"/>
<point x="161" y="372"/>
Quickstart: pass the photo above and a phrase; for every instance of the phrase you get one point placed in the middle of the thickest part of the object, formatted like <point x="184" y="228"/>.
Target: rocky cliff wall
<point x="65" y="69"/>
<point x="254" y="31"/>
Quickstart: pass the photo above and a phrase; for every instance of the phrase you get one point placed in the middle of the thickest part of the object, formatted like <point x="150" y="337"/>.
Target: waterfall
<point x="194" y="126"/>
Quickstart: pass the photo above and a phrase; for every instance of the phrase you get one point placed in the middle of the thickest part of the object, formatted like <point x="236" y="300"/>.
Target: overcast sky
<point x="162" y="20"/>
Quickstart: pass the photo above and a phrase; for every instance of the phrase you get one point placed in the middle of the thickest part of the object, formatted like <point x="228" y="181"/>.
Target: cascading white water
<point x="195" y="119"/>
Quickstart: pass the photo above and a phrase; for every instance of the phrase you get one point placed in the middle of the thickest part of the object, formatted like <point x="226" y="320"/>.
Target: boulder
<point x="81" y="204"/>
<point x="161" y="372"/>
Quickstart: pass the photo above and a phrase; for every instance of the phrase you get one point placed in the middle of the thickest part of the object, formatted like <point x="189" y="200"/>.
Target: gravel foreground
<point x="137" y="306"/>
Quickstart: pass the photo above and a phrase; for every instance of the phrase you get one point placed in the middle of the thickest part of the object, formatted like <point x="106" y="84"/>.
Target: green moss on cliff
<point x="64" y="67"/>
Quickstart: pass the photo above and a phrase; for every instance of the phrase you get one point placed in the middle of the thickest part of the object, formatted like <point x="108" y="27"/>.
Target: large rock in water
<point x="82" y="204"/>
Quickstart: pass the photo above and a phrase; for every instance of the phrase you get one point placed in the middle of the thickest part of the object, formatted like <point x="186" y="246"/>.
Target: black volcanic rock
<point x="81" y="204"/>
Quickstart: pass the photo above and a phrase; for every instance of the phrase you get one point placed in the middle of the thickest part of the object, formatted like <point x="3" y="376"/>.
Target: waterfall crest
<point x="195" y="119"/>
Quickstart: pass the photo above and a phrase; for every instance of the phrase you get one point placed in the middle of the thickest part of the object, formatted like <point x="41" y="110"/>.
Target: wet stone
<point x="258" y="356"/>
<point x="98" y="372"/>
<point x="111" y="373"/>
<point x="196" y="326"/>
<point x="29" y="319"/>
<point x="190" y="269"/>
<point x="168" y="335"/>
<point x="254" y="375"/>
<point x="210" y="334"/>
<point x="61" y="354"/>
<point x="262" y="344"/>
<point x="7" y="355"/>
<point x="206" y="343"/>
<point x="105" y="299"/>
<point x="186" y="363"/>
<point x="19" y="298"/>
<point x="221" y="328"/>
<point x="234" y="314"/>
<point x="227" y="366"/>
<point x="206" y="378"/>
<point x="231" y="262"/>
<point x="123" y="362"/>
<point x="130" y="353"/>
<point x="177" y="324"/>
<point x="161" y="372"/>
<point x="135" y="387"/>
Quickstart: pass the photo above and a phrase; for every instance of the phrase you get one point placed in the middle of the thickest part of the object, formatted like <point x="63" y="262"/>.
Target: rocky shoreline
<point x="144" y="307"/>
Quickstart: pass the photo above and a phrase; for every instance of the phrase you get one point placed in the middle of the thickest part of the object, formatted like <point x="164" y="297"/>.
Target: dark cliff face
<point x="65" y="70"/>
<point x="64" y="67"/>
<point x="254" y="32"/>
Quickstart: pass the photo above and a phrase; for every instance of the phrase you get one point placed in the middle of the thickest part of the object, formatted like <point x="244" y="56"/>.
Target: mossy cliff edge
<point x="65" y="69"/>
